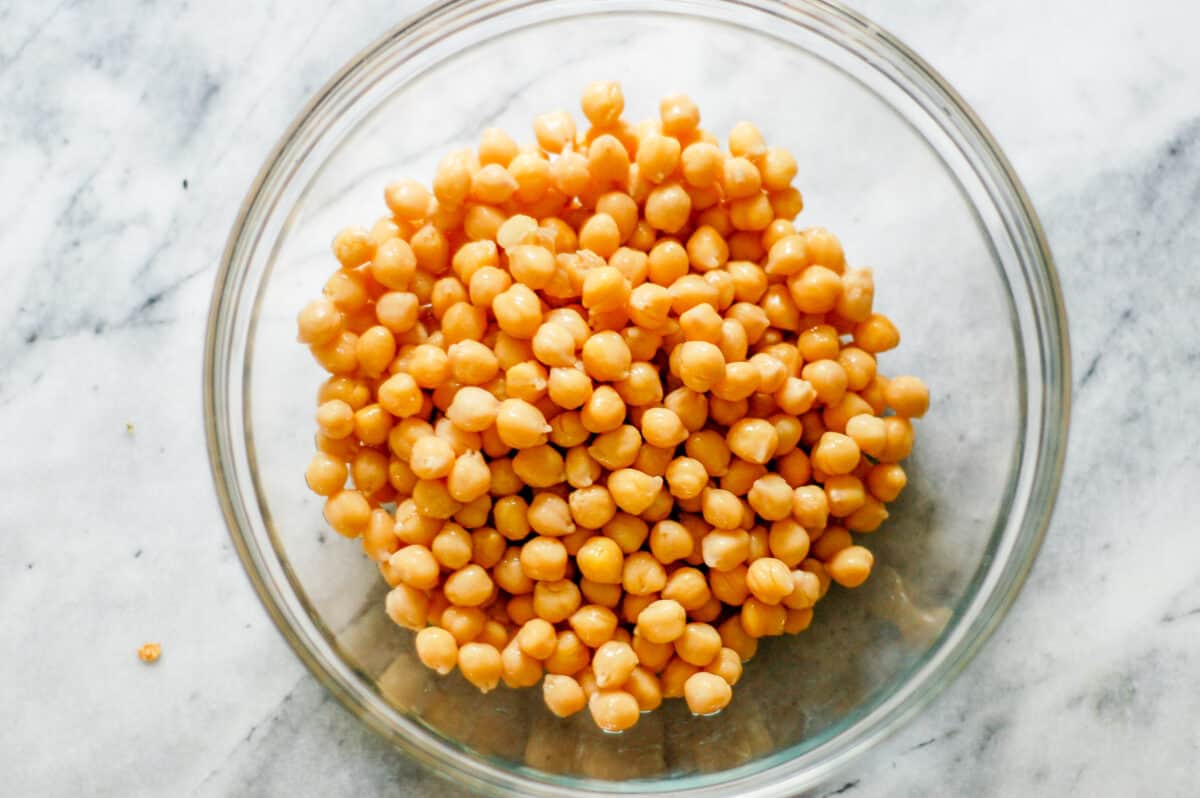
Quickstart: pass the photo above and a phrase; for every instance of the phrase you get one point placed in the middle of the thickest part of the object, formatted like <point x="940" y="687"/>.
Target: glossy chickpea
<point x="407" y="606"/>
<point x="886" y="481"/>
<point x="613" y="710"/>
<point x="771" y="497"/>
<point x="707" y="249"/>
<point x="769" y="580"/>
<point x="319" y="322"/>
<point x="606" y="357"/>
<point x="556" y="601"/>
<point x="594" y="624"/>
<point x="563" y="695"/>
<point x="544" y="559"/>
<point x="706" y="693"/>
<point x="876" y="334"/>
<point x="550" y="515"/>
<point x="608" y="162"/>
<point x="908" y="396"/>
<point x="480" y="664"/>
<point x="326" y="474"/>
<point x="592" y="507"/>
<point x="554" y="131"/>
<point x="899" y="439"/>
<point x="603" y="411"/>
<point x="845" y="494"/>
<point x="851" y="566"/>
<point x="437" y="649"/>
<point x="668" y="208"/>
<point x="602" y="103"/>
<point x="679" y="114"/>
<point x="658" y="156"/>
<point x="570" y="655"/>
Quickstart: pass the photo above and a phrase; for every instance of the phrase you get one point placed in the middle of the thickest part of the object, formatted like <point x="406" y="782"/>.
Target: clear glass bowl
<point x="891" y="160"/>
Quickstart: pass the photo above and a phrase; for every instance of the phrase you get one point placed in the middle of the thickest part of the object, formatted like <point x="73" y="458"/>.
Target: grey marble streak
<point x="112" y="535"/>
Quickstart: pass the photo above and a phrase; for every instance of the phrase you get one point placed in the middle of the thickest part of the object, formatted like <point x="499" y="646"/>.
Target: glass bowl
<point x="891" y="159"/>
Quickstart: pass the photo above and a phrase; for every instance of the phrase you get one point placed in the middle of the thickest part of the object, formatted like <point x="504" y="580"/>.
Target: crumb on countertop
<point x="149" y="652"/>
<point x="129" y="427"/>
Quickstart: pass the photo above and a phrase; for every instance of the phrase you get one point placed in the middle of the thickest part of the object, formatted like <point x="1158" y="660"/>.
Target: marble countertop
<point x="127" y="141"/>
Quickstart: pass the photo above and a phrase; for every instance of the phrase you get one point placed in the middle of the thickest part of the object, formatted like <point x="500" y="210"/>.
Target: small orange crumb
<point x="149" y="652"/>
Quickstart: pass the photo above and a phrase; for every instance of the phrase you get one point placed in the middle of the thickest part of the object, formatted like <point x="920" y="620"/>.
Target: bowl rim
<point x="923" y="683"/>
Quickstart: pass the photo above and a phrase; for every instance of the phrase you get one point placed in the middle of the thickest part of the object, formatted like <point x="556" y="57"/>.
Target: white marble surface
<point x="127" y="139"/>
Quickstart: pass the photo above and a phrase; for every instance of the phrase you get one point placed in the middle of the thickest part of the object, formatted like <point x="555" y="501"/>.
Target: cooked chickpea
<point x="754" y="440"/>
<point x="468" y="587"/>
<point x="544" y="559"/>
<point x="769" y="579"/>
<point x="706" y="693"/>
<point x="606" y="357"/>
<point x="851" y="566"/>
<point x="556" y="601"/>
<point x="325" y="475"/>
<point x="632" y="490"/>
<point x="707" y="249"/>
<point x="886" y="480"/>
<point x="549" y="515"/>
<point x="662" y="621"/>
<point x="570" y="655"/>
<point x="437" y="649"/>
<point x="603" y="411"/>
<point x="480" y="664"/>
<point x="319" y="322"/>
<point x="762" y="620"/>
<point x="724" y="548"/>
<point x="603" y="103"/>
<point x="563" y="695"/>
<point x="407" y="606"/>
<point x="613" y="710"/>
<point x="592" y="507"/>
<point x="908" y="396"/>
<point x="698" y="645"/>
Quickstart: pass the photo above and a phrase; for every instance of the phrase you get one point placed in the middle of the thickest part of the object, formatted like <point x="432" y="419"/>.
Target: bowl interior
<point x="874" y="168"/>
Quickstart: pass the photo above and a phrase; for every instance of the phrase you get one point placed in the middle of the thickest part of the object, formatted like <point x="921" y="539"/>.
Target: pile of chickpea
<point x="627" y="414"/>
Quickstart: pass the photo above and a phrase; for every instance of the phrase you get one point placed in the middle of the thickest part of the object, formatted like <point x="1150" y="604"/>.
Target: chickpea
<point x="570" y="655"/>
<point x="668" y="207"/>
<point x="686" y="477"/>
<point x="690" y="406"/>
<point x="632" y="490"/>
<point x="549" y="515"/>
<point x="885" y="481"/>
<point x="908" y="396"/>
<point x="674" y="676"/>
<point x="851" y="566"/>
<point x="335" y="419"/>
<point x="544" y="559"/>
<point x="592" y="507"/>
<point x="518" y="669"/>
<point x="754" y="440"/>
<point x="726" y="548"/>
<point x="480" y="664"/>
<point x="701" y="365"/>
<point x="325" y="475"/>
<point x="762" y="620"/>
<point x="740" y="381"/>
<point x="658" y="156"/>
<point x="518" y="311"/>
<point x="563" y="695"/>
<point x="415" y="566"/>
<point x="845" y="495"/>
<point x="319" y="322"/>
<point x="520" y="607"/>
<point x="698" y="645"/>
<point x="706" y="693"/>
<point x="608" y="163"/>
<point x="536" y="638"/>
<point x="876" y="334"/>
<point x="613" y="710"/>
<point x="613" y="663"/>
<point x="769" y="579"/>
<point x="628" y="531"/>
<point x="569" y="388"/>
<point x="707" y="249"/>
<point x="728" y="665"/>
<point x="606" y="357"/>
<point x="603" y="103"/>
<point x="734" y="637"/>
<point x="437" y="649"/>
<point x="899" y="439"/>
<point x="771" y="497"/>
<point x="828" y="380"/>
<point x="594" y="624"/>
<point x="605" y="288"/>
<point x="869" y="517"/>
<point x="556" y="601"/>
<point x="603" y="411"/>
<point x="554" y="131"/>
<point x="407" y="606"/>
<point x="531" y="265"/>
<point x="679" y="114"/>
<point x="570" y="173"/>
<point x="348" y="512"/>
<point x="469" y="586"/>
